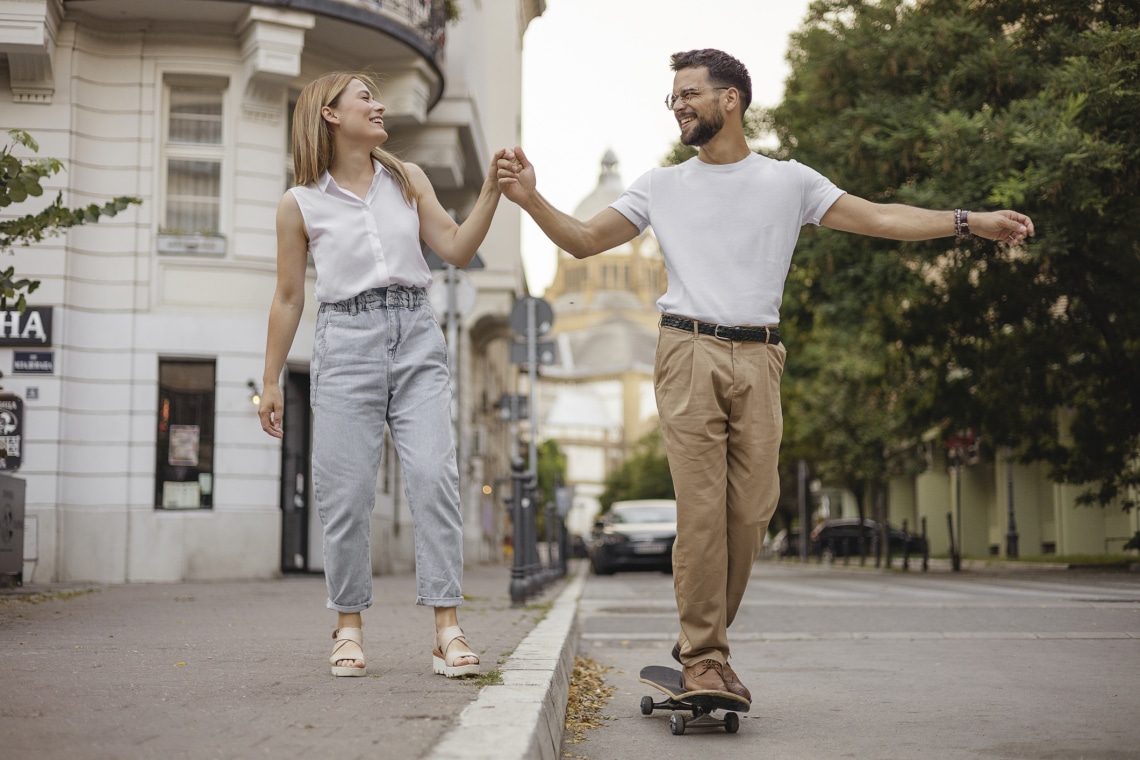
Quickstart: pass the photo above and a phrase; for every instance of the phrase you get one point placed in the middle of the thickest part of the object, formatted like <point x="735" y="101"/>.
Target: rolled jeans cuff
<point x="348" y="608"/>
<point x="446" y="601"/>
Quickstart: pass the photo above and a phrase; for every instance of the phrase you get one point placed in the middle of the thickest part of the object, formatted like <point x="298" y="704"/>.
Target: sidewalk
<point x="239" y="670"/>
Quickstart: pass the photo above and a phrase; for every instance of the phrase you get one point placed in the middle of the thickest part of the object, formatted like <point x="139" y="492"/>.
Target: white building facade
<point x="142" y="452"/>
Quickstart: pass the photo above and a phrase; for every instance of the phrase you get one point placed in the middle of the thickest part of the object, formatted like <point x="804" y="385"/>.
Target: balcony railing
<point x="412" y="12"/>
<point x="428" y="18"/>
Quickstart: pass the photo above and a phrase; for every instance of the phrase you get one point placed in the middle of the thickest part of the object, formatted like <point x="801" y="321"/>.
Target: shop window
<point x="184" y="467"/>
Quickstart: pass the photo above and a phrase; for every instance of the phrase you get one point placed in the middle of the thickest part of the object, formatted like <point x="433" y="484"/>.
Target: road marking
<point x="607" y="609"/>
<point x="882" y="636"/>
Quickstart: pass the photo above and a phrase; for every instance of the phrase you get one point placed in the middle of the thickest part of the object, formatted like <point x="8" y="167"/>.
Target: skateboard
<point x="700" y="703"/>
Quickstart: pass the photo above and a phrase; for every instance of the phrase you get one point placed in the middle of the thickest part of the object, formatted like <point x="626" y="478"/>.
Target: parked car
<point x="634" y="534"/>
<point x="840" y="538"/>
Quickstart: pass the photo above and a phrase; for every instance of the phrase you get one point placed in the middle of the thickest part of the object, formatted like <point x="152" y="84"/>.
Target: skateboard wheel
<point x="731" y="722"/>
<point x="677" y="724"/>
<point x="647" y="705"/>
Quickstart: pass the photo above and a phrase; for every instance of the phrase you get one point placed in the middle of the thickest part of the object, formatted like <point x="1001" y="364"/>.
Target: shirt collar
<point x="326" y="179"/>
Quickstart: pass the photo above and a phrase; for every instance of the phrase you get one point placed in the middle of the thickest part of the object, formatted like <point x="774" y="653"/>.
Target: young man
<point x="727" y="222"/>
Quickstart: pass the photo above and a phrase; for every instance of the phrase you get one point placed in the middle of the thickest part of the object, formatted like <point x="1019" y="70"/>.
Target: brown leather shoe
<point x="733" y="684"/>
<point x="706" y="675"/>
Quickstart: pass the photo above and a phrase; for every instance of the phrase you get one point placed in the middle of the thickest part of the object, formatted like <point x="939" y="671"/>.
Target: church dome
<point x="609" y="188"/>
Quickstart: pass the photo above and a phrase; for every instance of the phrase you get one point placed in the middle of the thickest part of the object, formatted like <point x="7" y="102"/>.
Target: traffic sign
<point x="543" y="316"/>
<point x="465" y="293"/>
<point x="545" y="350"/>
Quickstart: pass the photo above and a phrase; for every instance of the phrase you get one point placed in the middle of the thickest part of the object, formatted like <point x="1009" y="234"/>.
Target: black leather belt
<point x="724" y="332"/>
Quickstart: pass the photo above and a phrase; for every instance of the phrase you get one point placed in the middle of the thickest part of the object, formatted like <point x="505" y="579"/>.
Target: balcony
<point x="403" y="39"/>
<point x="418" y="23"/>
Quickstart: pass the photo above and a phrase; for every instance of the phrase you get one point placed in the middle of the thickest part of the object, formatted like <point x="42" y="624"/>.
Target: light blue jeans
<point x="380" y="358"/>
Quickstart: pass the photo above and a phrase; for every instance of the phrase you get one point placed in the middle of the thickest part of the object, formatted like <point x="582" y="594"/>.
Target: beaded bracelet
<point x="961" y="223"/>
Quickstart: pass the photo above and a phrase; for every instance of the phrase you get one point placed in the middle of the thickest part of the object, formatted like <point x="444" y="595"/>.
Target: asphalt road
<point x="856" y="663"/>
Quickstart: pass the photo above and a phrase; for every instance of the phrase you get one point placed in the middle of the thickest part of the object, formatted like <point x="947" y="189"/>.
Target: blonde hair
<point x="313" y="139"/>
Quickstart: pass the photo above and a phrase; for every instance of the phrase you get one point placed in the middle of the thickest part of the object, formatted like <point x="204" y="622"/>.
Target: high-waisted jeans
<point x="380" y="358"/>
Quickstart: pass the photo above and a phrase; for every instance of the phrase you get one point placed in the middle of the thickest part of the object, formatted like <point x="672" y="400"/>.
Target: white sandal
<point x="348" y="637"/>
<point x="443" y="662"/>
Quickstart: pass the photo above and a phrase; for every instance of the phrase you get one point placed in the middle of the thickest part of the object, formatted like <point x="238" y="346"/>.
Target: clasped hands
<point x="516" y="174"/>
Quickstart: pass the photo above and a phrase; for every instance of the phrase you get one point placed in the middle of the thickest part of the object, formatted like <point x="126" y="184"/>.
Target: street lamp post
<point x="802" y="473"/>
<point x="518" y="586"/>
<point x="532" y="378"/>
<point x="1011" y="536"/>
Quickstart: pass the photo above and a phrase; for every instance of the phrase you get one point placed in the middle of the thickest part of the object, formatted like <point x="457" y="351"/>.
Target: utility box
<point x="11" y="530"/>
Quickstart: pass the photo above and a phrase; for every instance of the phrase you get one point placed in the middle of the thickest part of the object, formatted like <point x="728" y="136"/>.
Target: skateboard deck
<point x="700" y="703"/>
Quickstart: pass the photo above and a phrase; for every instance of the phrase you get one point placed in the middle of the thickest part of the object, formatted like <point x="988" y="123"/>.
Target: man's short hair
<point x="724" y="70"/>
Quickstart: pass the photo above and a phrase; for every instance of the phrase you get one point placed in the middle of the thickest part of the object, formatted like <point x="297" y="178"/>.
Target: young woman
<point x="379" y="356"/>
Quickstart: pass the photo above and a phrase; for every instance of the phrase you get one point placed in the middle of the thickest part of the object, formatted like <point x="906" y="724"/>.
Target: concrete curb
<point x="523" y="718"/>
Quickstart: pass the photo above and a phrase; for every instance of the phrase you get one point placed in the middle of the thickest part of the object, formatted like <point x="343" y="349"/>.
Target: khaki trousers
<point x="719" y="406"/>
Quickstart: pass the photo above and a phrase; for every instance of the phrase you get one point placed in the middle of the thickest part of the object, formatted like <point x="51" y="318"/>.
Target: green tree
<point x="551" y="469"/>
<point x="551" y="475"/>
<point x="954" y="103"/>
<point x="643" y="475"/>
<point x="21" y="178"/>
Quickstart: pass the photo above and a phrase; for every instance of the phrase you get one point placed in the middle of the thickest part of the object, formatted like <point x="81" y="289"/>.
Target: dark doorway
<point x="296" y="474"/>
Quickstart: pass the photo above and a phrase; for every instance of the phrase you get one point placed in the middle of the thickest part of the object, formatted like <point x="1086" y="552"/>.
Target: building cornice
<point x="28" y="30"/>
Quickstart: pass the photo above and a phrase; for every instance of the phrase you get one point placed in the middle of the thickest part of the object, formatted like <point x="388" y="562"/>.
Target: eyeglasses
<point x="671" y="100"/>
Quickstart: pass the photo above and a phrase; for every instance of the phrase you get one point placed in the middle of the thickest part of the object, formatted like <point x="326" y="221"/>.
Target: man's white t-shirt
<point x="727" y="232"/>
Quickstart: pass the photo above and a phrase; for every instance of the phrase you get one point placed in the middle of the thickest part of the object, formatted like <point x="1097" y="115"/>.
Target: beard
<point x="705" y="130"/>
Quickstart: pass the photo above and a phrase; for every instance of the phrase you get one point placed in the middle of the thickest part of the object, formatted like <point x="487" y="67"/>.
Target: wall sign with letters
<point x="30" y="327"/>
<point x="33" y="362"/>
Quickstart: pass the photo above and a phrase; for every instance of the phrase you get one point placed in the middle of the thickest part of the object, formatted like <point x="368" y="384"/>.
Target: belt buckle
<point x="718" y="336"/>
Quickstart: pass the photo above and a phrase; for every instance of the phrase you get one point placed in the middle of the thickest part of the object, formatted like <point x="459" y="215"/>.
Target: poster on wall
<point x="184" y="445"/>
<point x="177" y="495"/>
<point x="11" y="431"/>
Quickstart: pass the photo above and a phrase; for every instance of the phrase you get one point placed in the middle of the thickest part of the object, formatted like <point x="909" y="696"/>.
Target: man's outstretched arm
<point x="608" y="229"/>
<point x="895" y="221"/>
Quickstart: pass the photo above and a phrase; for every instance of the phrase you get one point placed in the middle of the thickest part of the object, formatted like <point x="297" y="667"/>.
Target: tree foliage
<point x="551" y="470"/>
<point x="643" y="475"/>
<point x="957" y="103"/>
<point x="22" y="178"/>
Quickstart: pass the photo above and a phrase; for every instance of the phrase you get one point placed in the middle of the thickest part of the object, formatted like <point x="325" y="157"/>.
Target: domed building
<point x="598" y="401"/>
